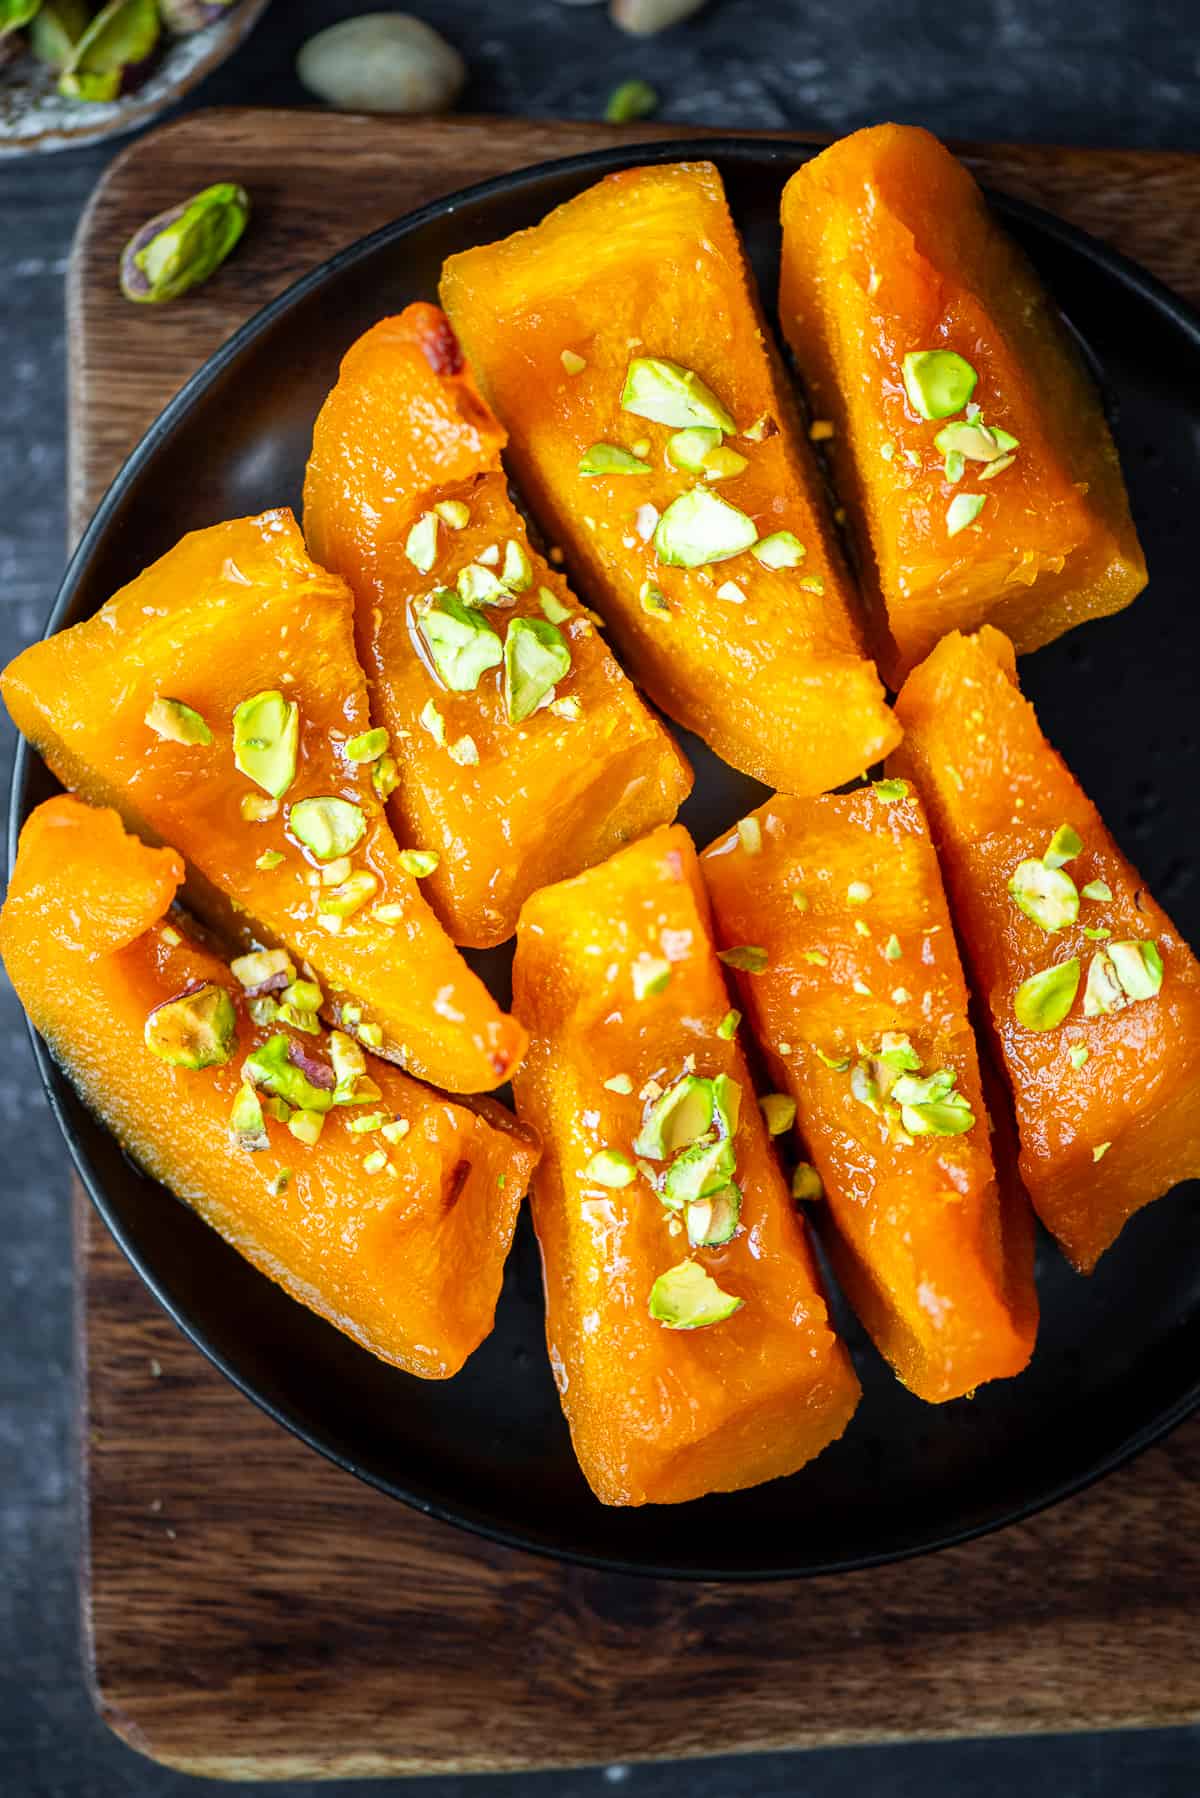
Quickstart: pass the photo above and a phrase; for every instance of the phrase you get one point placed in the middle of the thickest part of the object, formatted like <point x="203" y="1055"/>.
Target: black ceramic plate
<point x="1116" y="1363"/>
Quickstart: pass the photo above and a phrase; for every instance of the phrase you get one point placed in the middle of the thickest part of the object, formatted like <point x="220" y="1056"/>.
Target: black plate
<point x="1116" y="1362"/>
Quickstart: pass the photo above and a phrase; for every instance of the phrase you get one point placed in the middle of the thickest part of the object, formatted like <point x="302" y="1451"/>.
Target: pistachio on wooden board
<point x="644" y="17"/>
<point x="382" y="62"/>
<point x="179" y="248"/>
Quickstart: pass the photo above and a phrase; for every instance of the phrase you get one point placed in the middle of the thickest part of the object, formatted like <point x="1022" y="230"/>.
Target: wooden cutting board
<point x="252" y="1612"/>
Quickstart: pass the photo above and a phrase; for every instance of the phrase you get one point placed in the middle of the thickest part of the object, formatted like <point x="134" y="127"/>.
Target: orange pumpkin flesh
<point x="1101" y="1139"/>
<point x="409" y="1261"/>
<point x="934" y="1252"/>
<point x="230" y="612"/>
<point x="659" y="1414"/>
<point x="648" y="263"/>
<point x="889" y="247"/>
<point x="404" y="430"/>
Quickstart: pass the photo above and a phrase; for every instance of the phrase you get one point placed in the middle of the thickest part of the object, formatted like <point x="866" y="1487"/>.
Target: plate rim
<point x="731" y="148"/>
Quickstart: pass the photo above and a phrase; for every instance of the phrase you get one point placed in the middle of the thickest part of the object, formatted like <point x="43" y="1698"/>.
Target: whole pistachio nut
<point x="382" y="62"/>
<point x="643" y="18"/>
<point x="56" y="29"/>
<point x="183" y="246"/>
<point x="120" y="36"/>
<point x="182" y="17"/>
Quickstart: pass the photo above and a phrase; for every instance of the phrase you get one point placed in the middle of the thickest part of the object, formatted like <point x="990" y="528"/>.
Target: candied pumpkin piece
<point x="857" y="996"/>
<point x="651" y="432"/>
<point x="405" y="498"/>
<point x="969" y="444"/>
<point x="686" y="1324"/>
<point x="284" y="834"/>
<point x="380" y="1204"/>
<point x="1092" y="995"/>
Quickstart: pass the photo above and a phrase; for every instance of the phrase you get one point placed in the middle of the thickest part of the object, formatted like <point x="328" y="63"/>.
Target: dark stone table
<point x="1116" y="72"/>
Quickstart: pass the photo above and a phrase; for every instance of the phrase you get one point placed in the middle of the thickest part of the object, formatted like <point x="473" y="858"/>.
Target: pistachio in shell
<point x="382" y="62"/>
<point x="181" y="247"/>
<point x="120" y="36"/>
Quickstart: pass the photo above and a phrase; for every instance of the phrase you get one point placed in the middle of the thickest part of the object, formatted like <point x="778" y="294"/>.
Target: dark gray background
<point x="1114" y="72"/>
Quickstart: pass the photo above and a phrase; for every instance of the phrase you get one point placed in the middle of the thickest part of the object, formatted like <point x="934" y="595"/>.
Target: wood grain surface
<point x="252" y="1612"/>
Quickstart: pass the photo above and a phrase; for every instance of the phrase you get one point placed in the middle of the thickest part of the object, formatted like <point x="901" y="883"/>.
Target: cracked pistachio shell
<point x="382" y="62"/>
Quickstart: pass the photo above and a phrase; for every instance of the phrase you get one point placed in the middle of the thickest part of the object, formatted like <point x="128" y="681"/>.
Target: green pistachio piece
<point x="727" y="1104"/>
<point x="687" y="449"/>
<point x="385" y="776"/>
<point x="700" y="1170"/>
<point x="327" y="826"/>
<point x="461" y="644"/>
<point x="270" y="1066"/>
<point x="896" y="1050"/>
<point x="1045" y="894"/>
<point x="270" y="858"/>
<point x="536" y="658"/>
<point x="1064" y="846"/>
<point x="892" y="948"/>
<point x="698" y="528"/>
<point x="398" y="1128"/>
<point x="1079" y="1054"/>
<point x="974" y="440"/>
<point x="368" y="747"/>
<point x="650" y="975"/>
<point x="722" y="464"/>
<point x="347" y="1059"/>
<point x="930" y="1106"/>
<point x="782" y="549"/>
<point x="306" y="1127"/>
<point x="963" y="510"/>
<point x="608" y="1167"/>
<point x="676" y="1119"/>
<point x="420" y="546"/>
<point x="748" y="957"/>
<point x="727" y="1028"/>
<point x="1103" y="992"/>
<point x="266" y="740"/>
<point x="348" y="896"/>
<point x="1043" y="1001"/>
<point x="552" y="606"/>
<point x="305" y="995"/>
<point x="671" y="395"/>
<point x="573" y="362"/>
<point x="247" y="1125"/>
<point x="517" y="572"/>
<point x="807" y="1182"/>
<point x="779" y="1112"/>
<point x="889" y="791"/>
<point x="197" y="1030"/>
<point x="954" y="466"/>
<point x="419" y="862"/>
<point x="464" y="751"/>
<point x="619" y="1083"/>
<point x="688" y="1298"/>
<point x="712" y="1221"/>
<point x="1138" y="967"/>
<point x="180" y="248"/>
<point x="177" y="722"/>
<point x="632" y="100"/>
<point x="261" y="965"/>
<point x="938" y="382"/>
<point x="1097" y="889"/>
<point x="478" y="586"/>
<point x="610" y="458"/>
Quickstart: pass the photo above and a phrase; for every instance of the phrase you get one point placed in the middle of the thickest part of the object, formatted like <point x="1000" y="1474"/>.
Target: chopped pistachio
<point x="930" y="1105"/>
<point x="1045" y="894"/>
<point x="687" y="449"/>
<point x="270" y="1066"/>
<point x="816" y="958"/>
<point x="857" y="893"/>
<point x="177" y="722"/>
<point x="609" y="458"/>
<point x="419" y="862"/>
<point x="573" y="362"/>
<point x="170" y="936"/>
<point x="461" y="643"/>
<point x="306" y="1126"/>
<point x="727" y="1028"/>
<point x="1101" y="1150"/>
<point x="653" y="599"/>
<point x="750" y="958"/>
<point x="385" y="776"/>
<point x="1063" y="846"/>
<point x="517" y="572"/>
<point x="674" y="1120"/>
<point x="1044" y="1000"/>
<point x="1097" y="889"/>
<point x="861" y="927"/>
<point x="371" y="1034"/>
<point x="763" y="427"/>
<point x="702" y="1169"/>
<point x="421" y="543"/>
<point x="398" y="1129"/>
<point x="264" y="1010"/>
<point x="608" y="1167"/>
<point x="712" y="1221"/>
<point x="388" y="914"/>
<point x="668" y="394"/>
<point x="889" y="791"/>
<point x="807" y="1182"/>
<point x="366" y="1123"/>
<point x="305" y="995"/>
<point x="779" y="1112"/>
<point x="197" y="1030"/>
<point x="688" y="1298"/>
<point x="992" y="469"/>
<point x="454" y="514"/>
<point x="1103" y="992"/>
<point x="631" y="100"/>
<point x="261" y="965"/>
<point x="1097" y="933"/>
<point x="270" y="858"/>
<point x="478" y="586"/>
<point x="782" y="549"/>
<point x="732" y="592"/>
<point x="963" y="510"/>
<point x="954" y="467"/>
<point x="938" y="382"/>
<point x="650" y="975"/>
<point x="432" y="721"/>
<point x="568" y="708"/>
<point x="333" y="873"/>
<point x="722" y="464"/>
<point x="900" y="995"/>
<point x="256" y="809"/>
<point x="974" y="440"/>
<point x="327" y="826"/>
<point x="349" y="896"/>
<point x="800" y="900"/>
<point x="552" y="606"/>
<point x="266" y="740"/>
<point x="727" y="1103"/>
<point x="1079" y="1054"/>
<point x="821" y="430"/>
<point x="892" y="948"/>
<point x="368" y="747"/>
<point x="536" y="658"/>
<point x="750" y="832"/>
<point x="699" y="527"/>
<point x="811" y="583"/>
<point x="464" y="752"/>
<point x="347" y="1059"/>
<point x="1138" y="967"/>
<point x="619" y="1083"/>
<point x="247" y="1125"/>
<point x="375" y="1162"/>
<point x="839" y="1063"/>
